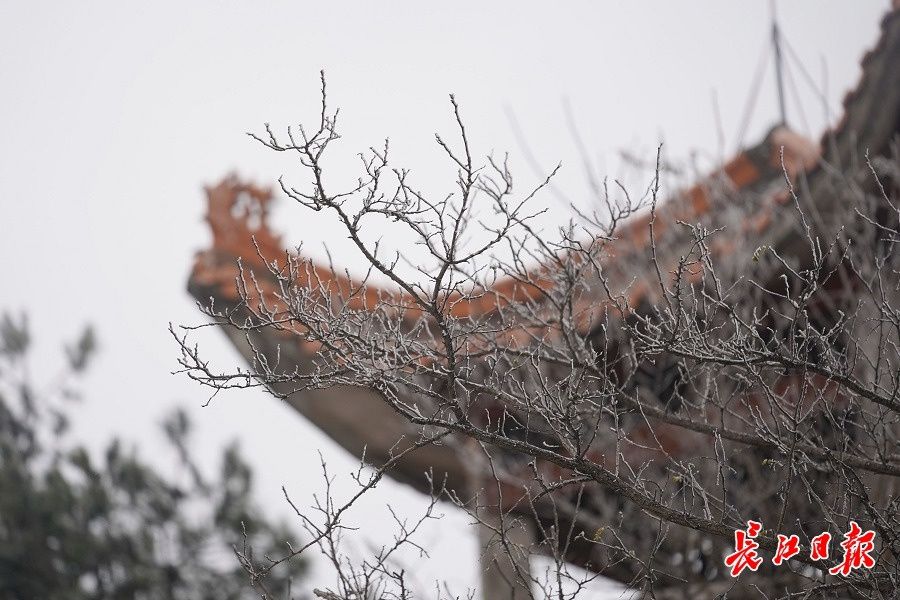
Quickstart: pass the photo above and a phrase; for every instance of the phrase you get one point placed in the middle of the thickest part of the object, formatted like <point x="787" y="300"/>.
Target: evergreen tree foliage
<point x="79" y="527"/>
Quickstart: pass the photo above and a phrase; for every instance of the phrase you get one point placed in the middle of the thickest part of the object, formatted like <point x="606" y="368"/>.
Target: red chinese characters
<point x="788" y="547"/>
<point x="745" y="555"/>
<point x="819" y="546"/>
<point x="858" y="546"/>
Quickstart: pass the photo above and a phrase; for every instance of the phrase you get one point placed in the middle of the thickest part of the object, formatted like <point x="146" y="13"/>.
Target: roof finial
<point x="779" y="78"/>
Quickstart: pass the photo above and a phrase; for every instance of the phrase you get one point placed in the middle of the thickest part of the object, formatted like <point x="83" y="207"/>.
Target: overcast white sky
<point x="114" y="114"/>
